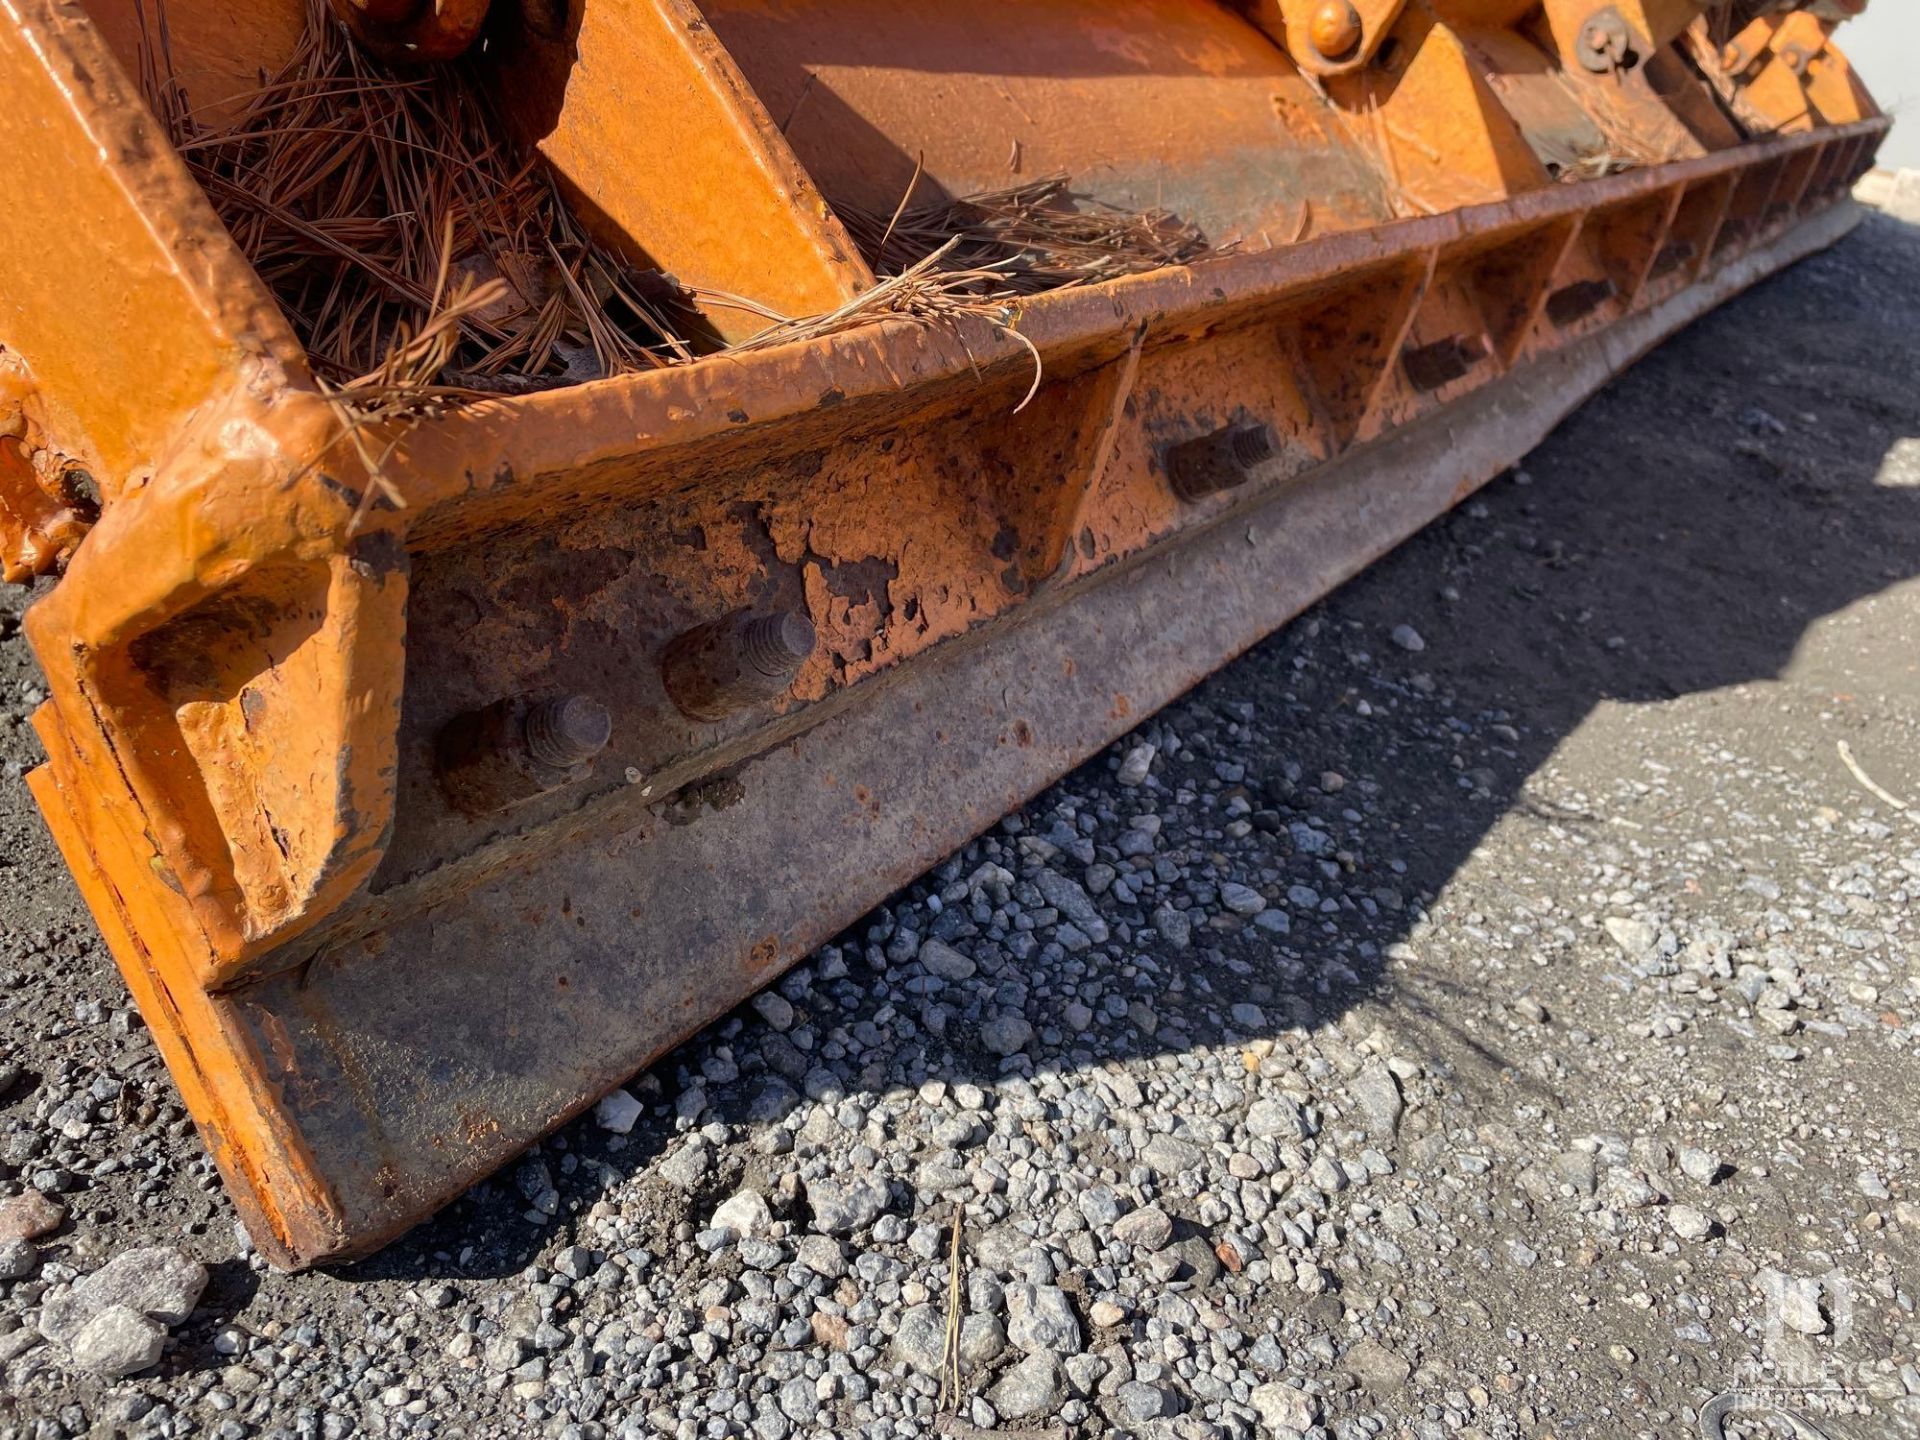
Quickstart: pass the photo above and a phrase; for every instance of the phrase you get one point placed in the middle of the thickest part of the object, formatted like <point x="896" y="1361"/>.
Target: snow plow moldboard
<point x="423" y="803"/>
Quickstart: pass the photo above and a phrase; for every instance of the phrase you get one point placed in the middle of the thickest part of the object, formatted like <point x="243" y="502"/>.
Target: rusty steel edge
<point x="1256" y="564"/>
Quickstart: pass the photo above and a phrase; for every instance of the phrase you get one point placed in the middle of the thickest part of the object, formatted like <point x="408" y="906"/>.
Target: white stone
<point x="1689" y="1223"/>
<point x="618" y="1112"/>
<point x="745" y="1214"/>
<point x="1283" y="1407"/>
<point x="118" y="1341"/>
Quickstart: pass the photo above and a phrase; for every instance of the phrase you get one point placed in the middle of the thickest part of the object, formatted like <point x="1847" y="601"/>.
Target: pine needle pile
<point x="422" y="265"/>
<point x="410" y="251"/>
<point x="1031" y="237"/>
<point x="931" y="292"/>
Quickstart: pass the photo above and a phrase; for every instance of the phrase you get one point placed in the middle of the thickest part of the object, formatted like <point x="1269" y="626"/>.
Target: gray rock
<point x="1379" y="1370"/>
<point x="1408" y="639"/>
<point x="1242" y="899"/>
<point x="1380" y="1101"/>
<point x="1006" y="1033"/>
<point x="986" y="1295"/>
<point x="504" y="1353"/>
<point x="1689" y="1223"/>
<point x="575" y="1262"/>
<point x="687" y="1167"/>
<point x="1327" y="1173"/>
<point x="118" y="1340"/>
<point x="1168" y="1156"/>
<point x="1041" y="1318"/>
<point x="618" y="1112"/>
<point x="822" y="1255"/>
<point x="798" y="1402"/>
<point x="534" y="1181"/>
<point x="1268" y="1356"/>
<point x="1070" y="900"/>
<point x="1634" y="937"/>
<point x="1148" y="1228"/>
<point x="939" y="958"/>
<point x="1284" y="1407"/>
<point x="1036" y="1386"/>
<point x="841" y="1207"/>
<point x="1136" y="766"/>
<point x="1250" y="1018"/>
<point x="1276" y="1118"/>
<point x="1309" y="841"/>
<point x="15" y="1343"/>
<point x="1100" y="1206"/>
<point x="775" y="1009"/>
<point x="1140" y="1401"/>
<point x="18" y="1259"/>
<point x="1577" y="1169"/>
<point x="920" y="1339"/>
<point x="1198" y="1262"/>
<point x="772" y="1101"/>
<point x="1174" y="926"/>
<point x="1700" y="1165"/>
<point x="983" y="1339"/>
<point x="158" y="1281"/>
<point x="760" y="1254"/>
<point x="1800" y="1307"/>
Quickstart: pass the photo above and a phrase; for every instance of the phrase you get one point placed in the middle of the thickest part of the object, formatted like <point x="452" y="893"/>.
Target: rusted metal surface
<point x="418" y="816"/>
<point x="47" y="502"/>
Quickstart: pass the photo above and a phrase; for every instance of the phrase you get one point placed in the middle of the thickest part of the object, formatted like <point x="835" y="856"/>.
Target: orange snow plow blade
<point x="431" y="772"/>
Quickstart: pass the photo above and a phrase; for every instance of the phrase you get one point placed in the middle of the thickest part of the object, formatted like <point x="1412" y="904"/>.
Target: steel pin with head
<point x="739" y="660"/>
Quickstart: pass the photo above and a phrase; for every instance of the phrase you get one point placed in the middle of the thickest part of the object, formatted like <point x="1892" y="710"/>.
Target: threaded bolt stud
<point x="567" y="732"/>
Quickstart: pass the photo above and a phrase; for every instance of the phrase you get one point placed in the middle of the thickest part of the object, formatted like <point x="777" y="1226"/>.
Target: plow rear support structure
<point x="420" y="813"/>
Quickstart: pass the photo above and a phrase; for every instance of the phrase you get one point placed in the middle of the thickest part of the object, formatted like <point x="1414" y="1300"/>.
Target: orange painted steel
<point x="417" y="821"/>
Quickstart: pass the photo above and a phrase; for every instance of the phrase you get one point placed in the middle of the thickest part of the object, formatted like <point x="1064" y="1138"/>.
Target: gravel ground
<point x="1486" y="1010"/>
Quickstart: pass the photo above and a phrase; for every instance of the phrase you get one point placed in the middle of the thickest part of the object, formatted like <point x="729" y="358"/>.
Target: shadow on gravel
<point x="1676" y="536"/>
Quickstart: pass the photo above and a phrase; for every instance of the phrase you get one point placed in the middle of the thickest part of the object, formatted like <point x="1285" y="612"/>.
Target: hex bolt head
<point x="567" y="732"/>
<point x="1334" y="28"/>
<point x="735" y="662"/>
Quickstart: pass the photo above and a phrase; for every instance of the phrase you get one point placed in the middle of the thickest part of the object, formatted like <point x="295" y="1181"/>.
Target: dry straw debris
<point x="925" y="293"/>
<point x="357" y="190"/>
<point x="1034" y="236"/>
<point x="424" y="265"/>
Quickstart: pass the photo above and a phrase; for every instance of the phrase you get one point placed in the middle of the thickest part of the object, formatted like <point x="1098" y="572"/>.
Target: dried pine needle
<point x="423" y="266"/>
<point x="1031" y="237"/>
<point x="354" y="190"/>
<point x="925" y="293"/>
